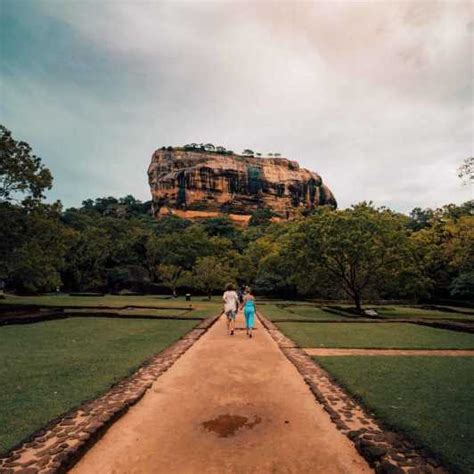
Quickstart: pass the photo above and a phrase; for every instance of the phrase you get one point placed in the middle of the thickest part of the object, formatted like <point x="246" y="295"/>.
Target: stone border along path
<point x="387" y="452"/>
<point x="64" y="440"/>
<point x="388" y="352"/>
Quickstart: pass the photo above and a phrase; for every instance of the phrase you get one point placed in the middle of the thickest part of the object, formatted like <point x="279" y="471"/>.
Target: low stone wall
<point x="386" y="451"/>
<point x="64" y="441"/>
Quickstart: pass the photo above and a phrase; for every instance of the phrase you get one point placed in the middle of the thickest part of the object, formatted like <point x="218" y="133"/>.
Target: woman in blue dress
<point x="249" y="310"/>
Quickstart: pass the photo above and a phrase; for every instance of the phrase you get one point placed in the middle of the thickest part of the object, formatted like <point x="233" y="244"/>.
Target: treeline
<point x="111" y="245"/>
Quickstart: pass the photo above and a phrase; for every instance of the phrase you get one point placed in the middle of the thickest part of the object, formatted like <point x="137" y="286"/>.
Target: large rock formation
<point x="205" y="184"/>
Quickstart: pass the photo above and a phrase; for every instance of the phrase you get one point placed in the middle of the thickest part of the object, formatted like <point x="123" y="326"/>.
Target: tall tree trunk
<point x="358" y="302"/>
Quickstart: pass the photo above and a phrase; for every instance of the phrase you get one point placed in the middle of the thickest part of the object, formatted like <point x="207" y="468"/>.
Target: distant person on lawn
<point x="231" y="305"/>
<point x="249" y="310"/>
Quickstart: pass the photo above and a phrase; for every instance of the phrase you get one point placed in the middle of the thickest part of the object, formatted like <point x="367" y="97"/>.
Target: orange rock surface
<point x="198" y="184"/>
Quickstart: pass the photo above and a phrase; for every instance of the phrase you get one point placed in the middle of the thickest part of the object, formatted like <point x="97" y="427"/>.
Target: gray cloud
<point x="377" y="97"/>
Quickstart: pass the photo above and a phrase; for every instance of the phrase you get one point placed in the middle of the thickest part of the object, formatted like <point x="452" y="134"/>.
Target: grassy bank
<point x="115" y="301"/>
<point x="375" y="335"/>
<point x="410" y="312"/>
<point x="298" y="312"/>
<point x="48" y="368"/>
<point x="429" y="398"/>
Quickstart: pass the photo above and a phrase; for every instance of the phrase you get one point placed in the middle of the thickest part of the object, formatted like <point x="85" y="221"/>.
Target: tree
<point x="21" y="172"/>
<point x="445" y="249"/>
<point x="86" y="262"/>
<point x="420" y="218"/>
<point x="466" y="171"/>
<point x="33" y="245"/>
<point x="210" y="274"/>
<point x="355" y="249"/>
<point x="248" y="152"/>
<point x="224" y="227"/>
<point x="463" y="286"/>
<point x="170" y="276"/>
<point x="128" y="276"/>
<point x="184" y="247"/>
<point x="209" y="147"/>
<point x="262" y="216"/>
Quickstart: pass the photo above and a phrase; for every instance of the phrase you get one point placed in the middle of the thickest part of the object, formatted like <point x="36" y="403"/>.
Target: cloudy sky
<point x="375" y="96"/>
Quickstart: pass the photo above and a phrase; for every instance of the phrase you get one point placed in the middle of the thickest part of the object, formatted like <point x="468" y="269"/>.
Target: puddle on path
<point x="227" y="425"/>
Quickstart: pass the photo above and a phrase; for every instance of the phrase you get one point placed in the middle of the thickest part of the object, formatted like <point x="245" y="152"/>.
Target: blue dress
<point x="249" y="313"/>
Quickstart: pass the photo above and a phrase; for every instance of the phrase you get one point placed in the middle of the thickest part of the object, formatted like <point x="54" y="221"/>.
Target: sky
<point x="377" y="97"/>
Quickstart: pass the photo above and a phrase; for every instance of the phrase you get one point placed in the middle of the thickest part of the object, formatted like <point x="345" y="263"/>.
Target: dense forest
<point x="114" y="245"/>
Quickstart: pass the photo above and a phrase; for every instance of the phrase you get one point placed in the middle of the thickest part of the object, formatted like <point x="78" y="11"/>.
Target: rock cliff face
<point x="196" y="184"/>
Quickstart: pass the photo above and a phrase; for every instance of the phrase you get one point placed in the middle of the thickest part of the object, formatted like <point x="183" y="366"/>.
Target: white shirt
<point x="231" y="301"/>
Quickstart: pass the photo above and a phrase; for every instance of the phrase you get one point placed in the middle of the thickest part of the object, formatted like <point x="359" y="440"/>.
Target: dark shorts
<point x="231" y="314"/>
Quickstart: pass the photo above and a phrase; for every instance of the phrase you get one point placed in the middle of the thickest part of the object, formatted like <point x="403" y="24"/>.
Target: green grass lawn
<point x="157" y="305"/>
<point x="429" y="398"/>
<point x="375" y="335"/>
<point x="139" y="311"/>
<point x="410" y="312"/>
<point x="265" y="301"/>
<point x="108" y="300"/>
<point x="459" y="309"/>
<point x="47" y="368"/>
<point x="299" y="312"/>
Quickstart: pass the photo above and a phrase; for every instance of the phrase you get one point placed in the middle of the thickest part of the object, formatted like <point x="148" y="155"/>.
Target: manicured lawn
<point x="155" y="305"/>
<point x="107" y="300"/>
<point x="429" y="398"/>
<point x="47" y="368"/>
<point x="140" y="311"/>
<point x="284" y="302"/>
<point x="300" y="312"/>
<point x="460" y="309"/>
<point x="409" y="312"/>
<point x="375" y="335"/>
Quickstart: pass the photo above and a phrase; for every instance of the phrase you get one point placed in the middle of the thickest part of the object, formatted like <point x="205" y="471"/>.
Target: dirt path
<point x="389" y="352"/>
<point x="228" y="405"/>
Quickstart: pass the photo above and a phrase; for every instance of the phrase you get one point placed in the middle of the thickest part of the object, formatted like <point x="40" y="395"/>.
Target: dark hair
<point x="229" y="287"/>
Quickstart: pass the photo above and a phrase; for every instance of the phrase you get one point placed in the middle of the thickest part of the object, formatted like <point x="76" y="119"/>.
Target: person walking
<point x="231" y="305"/>
<point x="249" y="310"/>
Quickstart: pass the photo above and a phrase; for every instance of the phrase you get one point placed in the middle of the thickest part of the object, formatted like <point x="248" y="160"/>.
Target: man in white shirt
<point x="231" y="305"/>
